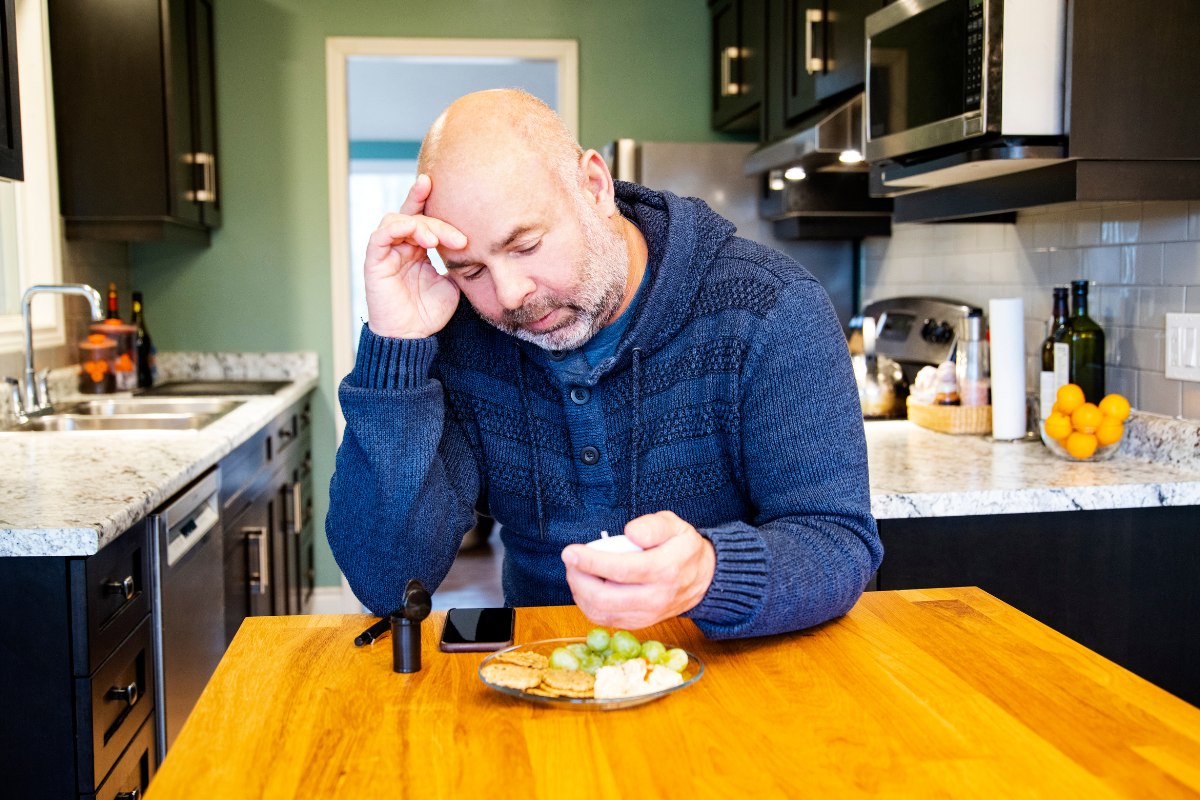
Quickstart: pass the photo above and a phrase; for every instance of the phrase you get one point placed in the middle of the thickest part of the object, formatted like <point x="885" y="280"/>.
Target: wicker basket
<point x="951" y="419"/>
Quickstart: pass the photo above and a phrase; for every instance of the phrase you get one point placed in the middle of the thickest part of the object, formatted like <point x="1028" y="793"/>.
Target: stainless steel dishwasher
<point x="189" y="601"/>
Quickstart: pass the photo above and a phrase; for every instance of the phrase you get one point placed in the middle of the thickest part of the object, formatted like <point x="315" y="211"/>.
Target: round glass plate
<point x="695" y="669"/>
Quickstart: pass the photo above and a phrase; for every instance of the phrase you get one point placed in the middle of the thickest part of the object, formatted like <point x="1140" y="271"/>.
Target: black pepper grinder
<point x="406" y="627"/>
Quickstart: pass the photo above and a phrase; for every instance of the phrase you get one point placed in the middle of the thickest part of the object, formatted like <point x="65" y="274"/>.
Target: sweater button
<point x="589" y="455"/>
<point x="580" y="395"/>
<point x="556" y="355"/>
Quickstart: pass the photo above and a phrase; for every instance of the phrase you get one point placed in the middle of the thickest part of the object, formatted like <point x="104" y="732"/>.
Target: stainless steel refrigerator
<point x="713" y="172"/>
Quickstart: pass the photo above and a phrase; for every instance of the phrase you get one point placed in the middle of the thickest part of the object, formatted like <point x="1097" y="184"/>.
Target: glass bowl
<point x="695" y="669"/>
<point x="1102" y="453"/>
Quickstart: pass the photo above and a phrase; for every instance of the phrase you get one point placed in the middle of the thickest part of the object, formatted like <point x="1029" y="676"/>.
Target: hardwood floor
<point x="474" y="580"/>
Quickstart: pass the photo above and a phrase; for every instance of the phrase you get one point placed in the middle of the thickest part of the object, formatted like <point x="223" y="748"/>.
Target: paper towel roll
<point x="1006" y="320"/>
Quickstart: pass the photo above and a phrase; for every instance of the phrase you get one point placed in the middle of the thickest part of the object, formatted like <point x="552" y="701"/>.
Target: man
<point x="623" y="363"/>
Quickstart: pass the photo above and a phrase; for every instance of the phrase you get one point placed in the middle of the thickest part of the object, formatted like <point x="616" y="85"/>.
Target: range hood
<point x="816" y="184"/>
<point x="834" y="143"/>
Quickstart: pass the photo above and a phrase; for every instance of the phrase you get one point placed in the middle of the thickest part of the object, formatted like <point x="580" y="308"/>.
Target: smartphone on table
<point x="477" y="629"/>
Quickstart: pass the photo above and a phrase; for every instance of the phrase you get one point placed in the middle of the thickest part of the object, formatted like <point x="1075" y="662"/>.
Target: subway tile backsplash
<point x="1143" y="260"/>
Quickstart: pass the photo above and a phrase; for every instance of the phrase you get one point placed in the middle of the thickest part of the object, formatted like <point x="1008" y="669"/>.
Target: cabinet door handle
<point x="729" y="87"/>
<point x="208" y="191"/>
<point x="124" y="586"/>
<point x="132" y="794"/>
<point x="127" y="693"/>
<point x="297" y="509"/>
<point x="811" y="17"/>
<point x="259" y="581"/>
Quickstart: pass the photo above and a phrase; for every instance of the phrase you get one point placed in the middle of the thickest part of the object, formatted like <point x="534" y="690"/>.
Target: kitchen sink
<point x="204" y="388"/>
<point x="151" y="405"/>
<point x="122" y="422"/>
<point x="132" y="414"/>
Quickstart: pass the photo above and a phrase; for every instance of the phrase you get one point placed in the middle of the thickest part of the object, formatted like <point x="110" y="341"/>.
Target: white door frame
<point x="564" y="52"/>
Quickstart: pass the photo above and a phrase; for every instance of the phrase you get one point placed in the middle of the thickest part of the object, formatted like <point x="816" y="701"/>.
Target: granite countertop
<point x="70" y="493"/>
<point x="921" y="473"/>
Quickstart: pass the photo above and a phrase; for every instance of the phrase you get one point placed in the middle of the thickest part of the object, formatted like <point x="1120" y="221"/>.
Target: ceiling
<point x="397" y="98"/>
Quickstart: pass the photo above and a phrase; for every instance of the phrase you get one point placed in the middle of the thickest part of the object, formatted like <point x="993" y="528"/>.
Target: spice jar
<point x="97" y="358"/>
<point x="125" y="365"/>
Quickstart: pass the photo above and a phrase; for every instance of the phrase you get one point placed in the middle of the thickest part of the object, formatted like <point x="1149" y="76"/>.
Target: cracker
<point x="513" y="676"/>
<point x="570" y="682"/>
<point x="523" y="658"/>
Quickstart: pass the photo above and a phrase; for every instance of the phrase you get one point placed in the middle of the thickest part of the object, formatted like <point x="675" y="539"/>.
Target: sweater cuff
<point x="739" y="586"/>
<point x="386" y="363"/>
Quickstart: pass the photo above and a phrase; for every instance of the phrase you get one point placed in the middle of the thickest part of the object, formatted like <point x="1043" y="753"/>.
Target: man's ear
<point x="598" y="182"/>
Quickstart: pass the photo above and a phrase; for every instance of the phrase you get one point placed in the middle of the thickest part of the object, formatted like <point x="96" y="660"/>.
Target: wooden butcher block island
<point x="922" y="693"/>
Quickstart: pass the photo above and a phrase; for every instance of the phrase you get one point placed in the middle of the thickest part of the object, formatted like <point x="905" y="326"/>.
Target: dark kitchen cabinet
<point x="815" y="56"/>
<point x="738" y="39"/>
<point x="12" y="164"/>
<point x="1121" y="582"/>
<point x="77" y="672"/>
<point x="267" y="515"/>
<point x="135" y="113"/>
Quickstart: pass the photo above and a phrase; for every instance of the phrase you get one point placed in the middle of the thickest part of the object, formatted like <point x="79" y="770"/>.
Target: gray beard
<point x="602" y="272"/>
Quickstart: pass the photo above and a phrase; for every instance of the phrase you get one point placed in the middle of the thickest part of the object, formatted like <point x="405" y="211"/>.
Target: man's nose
<point x="512" y="287"/>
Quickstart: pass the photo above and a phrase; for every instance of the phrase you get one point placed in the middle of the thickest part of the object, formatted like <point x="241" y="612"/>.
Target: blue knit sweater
<point x="729" y="401"/>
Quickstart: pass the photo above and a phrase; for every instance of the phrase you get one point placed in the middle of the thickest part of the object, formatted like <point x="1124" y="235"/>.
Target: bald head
<point x="503" y="128"/>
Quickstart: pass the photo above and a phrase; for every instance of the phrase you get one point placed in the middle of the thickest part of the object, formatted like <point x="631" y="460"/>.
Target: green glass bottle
<point x="1087" y="346"/>
<point x="1056" y="353"/>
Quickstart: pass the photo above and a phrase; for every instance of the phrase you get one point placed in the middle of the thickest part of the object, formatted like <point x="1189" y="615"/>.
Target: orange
<point x="1058" y="426"/>
<point x="1081" y="445"/>
<point x="1115" y="406"/>
<point x="1086" y="418"/>
<point x="1110" y="431"/>
<point x="1069" y="398"/>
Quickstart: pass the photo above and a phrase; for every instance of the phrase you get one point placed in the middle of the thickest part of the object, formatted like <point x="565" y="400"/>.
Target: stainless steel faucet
<point x="35" y="400"/>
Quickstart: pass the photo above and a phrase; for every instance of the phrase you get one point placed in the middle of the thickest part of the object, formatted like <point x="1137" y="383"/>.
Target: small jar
<point x="97" y="359"/>
<point x="125" y="365"/>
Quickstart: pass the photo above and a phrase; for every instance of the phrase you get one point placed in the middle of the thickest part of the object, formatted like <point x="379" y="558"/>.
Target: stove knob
<point x="937" y="332"/>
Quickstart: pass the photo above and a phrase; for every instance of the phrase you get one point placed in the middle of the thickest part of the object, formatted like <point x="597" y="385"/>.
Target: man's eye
<point x="529" y="250"/>
<point x="472" y="274"/>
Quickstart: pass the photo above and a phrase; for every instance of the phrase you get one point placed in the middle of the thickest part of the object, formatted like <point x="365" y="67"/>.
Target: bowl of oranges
<point x="1083" y="431"/>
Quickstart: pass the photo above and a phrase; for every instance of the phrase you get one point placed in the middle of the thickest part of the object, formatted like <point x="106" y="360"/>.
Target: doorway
<point x="382" y="94"/>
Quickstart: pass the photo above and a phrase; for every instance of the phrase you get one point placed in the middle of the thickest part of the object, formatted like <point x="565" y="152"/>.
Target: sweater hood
<point x="683" y="235"/>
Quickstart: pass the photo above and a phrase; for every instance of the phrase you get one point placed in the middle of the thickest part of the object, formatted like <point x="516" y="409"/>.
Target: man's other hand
<point x="406" y="297"/>
<point x="636" y="590"/>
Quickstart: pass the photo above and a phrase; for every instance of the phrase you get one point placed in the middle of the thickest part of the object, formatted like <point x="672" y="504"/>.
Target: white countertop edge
<point x="1033" y="501"/>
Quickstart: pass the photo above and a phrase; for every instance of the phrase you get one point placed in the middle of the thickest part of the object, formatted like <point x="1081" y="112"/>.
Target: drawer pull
<point x="256" y="543"/>
<point x="127" y="693"/>
<point x="132" y="794"/>
<point x="123" y="587"/>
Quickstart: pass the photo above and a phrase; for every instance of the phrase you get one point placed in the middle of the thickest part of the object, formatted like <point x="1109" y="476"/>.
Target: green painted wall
<point x="264" y="283"/>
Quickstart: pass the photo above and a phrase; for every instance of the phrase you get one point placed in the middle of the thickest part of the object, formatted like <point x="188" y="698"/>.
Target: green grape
<point x="591" y="663"/>
<point x="597" y="639"/>
<point x="675" y="659"/>
<point x="579" y="649"/>
<point x="614" y="660"/>
<point x="653" y="651"/>
<point x="626" y="645"/>
<point x="562" y="658"/>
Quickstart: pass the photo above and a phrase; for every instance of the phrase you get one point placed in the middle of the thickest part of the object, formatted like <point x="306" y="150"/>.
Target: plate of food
<point x="603" y="671"/>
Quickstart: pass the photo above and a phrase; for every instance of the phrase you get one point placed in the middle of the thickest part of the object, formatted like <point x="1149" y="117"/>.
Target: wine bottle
<point x="113" y="310"/>
<point x="147" y="369"/>
<point x="1086" y="340"/>
<point x="1056" y="354"/>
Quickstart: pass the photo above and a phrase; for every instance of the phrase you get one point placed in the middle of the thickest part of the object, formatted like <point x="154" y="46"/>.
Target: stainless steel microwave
<point x="941" y="72"/>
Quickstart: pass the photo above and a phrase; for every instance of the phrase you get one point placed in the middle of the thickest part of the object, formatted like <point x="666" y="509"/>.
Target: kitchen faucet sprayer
<point x="32" y="401"/>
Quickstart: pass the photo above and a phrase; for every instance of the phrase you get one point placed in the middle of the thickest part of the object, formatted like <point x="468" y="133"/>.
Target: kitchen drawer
<point x="112" y="704"/>
<point x="111" y="596"/>
<point x="133" y="771"/>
